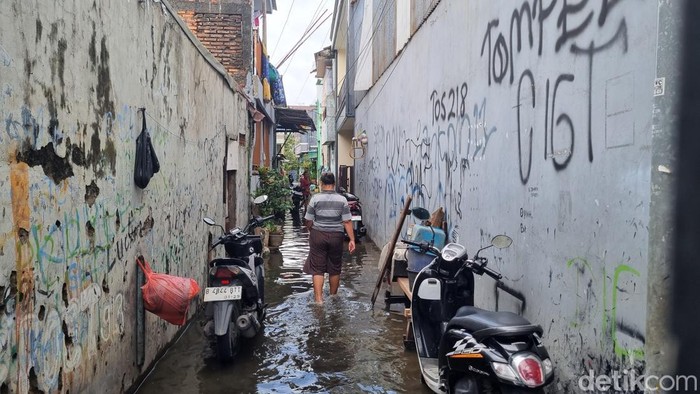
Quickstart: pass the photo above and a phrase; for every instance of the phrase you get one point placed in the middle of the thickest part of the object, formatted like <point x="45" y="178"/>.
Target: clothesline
<point x="179" y="135"/>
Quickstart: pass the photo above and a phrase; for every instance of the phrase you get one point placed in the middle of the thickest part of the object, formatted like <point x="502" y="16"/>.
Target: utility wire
<point x="318" y="23"/>
<point x="369" y="41"/>
<point x="388" y="77"/>
<point x="308" y="27"/>
<point x="309" y="36"/>
<point x="314" y="20"/>
<point x="283" y="26"/>
<point x="303" y="86"/>
<point x="179" y="135"/>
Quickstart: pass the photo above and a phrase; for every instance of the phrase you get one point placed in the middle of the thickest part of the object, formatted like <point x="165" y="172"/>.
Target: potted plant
<point x="275" y="234"/>
<point x="276" y="187"/>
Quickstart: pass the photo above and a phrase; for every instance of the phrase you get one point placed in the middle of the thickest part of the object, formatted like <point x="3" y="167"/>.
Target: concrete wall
<point x="532" y="119"/>
<point x="72" y="77"/>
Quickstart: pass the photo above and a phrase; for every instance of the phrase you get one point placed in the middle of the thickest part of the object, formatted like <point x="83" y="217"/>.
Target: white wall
<point x="548" y="142"/>
<point x="73" y="77"/>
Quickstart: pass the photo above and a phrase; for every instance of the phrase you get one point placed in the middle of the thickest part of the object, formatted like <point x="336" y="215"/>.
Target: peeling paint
<point x="91" y="193"/>
<point x="55" y="167"/>
<point x="19" y="182"/>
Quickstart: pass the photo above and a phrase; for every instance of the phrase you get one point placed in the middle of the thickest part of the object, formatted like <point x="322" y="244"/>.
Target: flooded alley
<point x="342" y="346"/>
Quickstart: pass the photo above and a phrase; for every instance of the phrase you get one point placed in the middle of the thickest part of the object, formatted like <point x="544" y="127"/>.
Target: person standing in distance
<point x="305" y="183"/>
<point x="326" y="216"/>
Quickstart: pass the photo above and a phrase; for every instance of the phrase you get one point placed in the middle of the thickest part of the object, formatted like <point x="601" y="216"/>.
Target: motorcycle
<point x="465" y="349"/>
<point x="356" y="211"/>
<point x="235" y="292"/>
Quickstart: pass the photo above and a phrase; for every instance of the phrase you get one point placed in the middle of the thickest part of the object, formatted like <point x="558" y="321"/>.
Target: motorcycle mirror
<point x="260" y="199"/>
<point x="342" y="190"/>
<point x="501" y="241"/>
<point x="420" y="213"/>
<point x="211" y="222"/>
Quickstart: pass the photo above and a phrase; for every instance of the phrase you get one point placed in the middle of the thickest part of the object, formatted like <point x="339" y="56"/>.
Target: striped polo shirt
<point x="328" y="210"/>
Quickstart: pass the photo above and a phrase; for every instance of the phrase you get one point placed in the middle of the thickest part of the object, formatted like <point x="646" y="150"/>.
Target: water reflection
<point x="342" y="346"/>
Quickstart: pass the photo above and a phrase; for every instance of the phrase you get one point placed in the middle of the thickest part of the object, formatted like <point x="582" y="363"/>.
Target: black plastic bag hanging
<point x="146" y="160"/>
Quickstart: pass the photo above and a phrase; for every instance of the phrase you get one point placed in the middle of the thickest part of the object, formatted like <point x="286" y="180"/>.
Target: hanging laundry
<point x="265" y="64"/>
<point x="267" y="95"/>
<point x="272" y="73"/>
<point x="278" y="92"/>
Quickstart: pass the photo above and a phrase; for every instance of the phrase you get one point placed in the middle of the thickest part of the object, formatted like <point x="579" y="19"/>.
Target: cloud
<point x="299" y="81"/>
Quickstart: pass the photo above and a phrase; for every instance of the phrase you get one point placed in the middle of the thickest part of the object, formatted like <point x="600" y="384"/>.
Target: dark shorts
<point x="325" y="253"/>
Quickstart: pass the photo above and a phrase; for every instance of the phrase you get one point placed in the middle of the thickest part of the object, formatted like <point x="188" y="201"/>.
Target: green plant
<point x="296" y="163"/>
<point x="276" y="187"/>
<point x="272" y="227"/>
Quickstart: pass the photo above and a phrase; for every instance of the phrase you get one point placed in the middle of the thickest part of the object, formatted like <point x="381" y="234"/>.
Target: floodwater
<point x="342" y="346"/>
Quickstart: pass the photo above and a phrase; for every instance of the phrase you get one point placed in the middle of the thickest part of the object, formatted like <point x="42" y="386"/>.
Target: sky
<point x="299" y="81"/>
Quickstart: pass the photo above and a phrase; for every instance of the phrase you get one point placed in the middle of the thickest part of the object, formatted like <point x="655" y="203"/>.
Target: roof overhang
<point x="267" y="110"/>
<point x="293" y="120"/>
<point x="324" y="59"/>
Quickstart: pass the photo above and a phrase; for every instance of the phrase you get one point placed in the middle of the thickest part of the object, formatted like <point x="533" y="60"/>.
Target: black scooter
<point x="235" y="292"/>
<point x="465" y="349"/>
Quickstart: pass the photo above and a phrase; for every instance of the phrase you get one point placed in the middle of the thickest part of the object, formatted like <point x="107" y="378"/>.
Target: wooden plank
<point x="405" y="286"/>
<point x="386" y="264"/>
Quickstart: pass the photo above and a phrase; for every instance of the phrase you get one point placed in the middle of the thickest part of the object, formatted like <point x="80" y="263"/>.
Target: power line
<point x="317" y="23"/>
<point x="283" y="26"/>
<point x="303" y="86"/>
<point x="388" y="77"/>
<point x="312" y="21"/>
<point x="367" y="45"/>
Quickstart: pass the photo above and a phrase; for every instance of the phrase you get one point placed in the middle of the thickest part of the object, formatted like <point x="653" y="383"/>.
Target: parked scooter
<point x="465" y="349"/>
<point x="356" y="211"/>
<point x="235" y="292"/>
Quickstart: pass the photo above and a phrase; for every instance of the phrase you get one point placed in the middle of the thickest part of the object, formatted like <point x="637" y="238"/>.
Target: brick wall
<point x="221" y="34"/>
<point x="225" y="28"/>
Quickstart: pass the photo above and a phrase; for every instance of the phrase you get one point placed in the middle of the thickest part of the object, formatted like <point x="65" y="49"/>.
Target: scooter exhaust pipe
<point x="248" y="325"/>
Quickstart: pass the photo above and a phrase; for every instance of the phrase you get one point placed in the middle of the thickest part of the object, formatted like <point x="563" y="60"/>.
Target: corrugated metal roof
<point x="289" y="119"/>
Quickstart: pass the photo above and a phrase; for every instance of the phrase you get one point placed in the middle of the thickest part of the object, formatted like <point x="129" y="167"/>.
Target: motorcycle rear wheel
<point x="227" y="344"/>
<point x="468" y="385"/>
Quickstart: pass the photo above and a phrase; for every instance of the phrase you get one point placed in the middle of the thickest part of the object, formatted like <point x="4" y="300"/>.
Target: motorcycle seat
<point x="228" y="261"/>
<point x="483" y="324"/>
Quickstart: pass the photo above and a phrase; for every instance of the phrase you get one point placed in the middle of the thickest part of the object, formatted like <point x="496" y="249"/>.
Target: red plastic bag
<point x="167" y="296"/>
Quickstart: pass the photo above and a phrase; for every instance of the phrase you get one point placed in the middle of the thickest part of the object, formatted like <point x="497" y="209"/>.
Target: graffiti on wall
<point x="502" y="49"/>
<point x="72" y="253"/>
<point x="430" y="164"/>
<point x="541" y="108"/>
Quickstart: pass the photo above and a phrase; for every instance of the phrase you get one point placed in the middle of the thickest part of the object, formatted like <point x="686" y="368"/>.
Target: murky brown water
<point x="342" y="346"/>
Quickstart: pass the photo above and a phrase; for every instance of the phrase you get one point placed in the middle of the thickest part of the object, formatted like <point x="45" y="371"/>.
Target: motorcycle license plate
<point x="356" y="218"/>
<point x="224" y="293"/>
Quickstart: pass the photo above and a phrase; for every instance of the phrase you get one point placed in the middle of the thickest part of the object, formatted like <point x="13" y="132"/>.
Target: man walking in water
<point x="326" y="216"/>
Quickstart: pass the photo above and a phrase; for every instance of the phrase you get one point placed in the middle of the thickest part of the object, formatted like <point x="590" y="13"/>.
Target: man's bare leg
<point x="318" y="288"/>
<point x="334" y="281"/>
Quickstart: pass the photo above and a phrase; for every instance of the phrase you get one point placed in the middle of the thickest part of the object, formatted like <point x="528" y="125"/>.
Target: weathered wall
<point x="72" y="77"/>
<point x="532" y="119"/>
